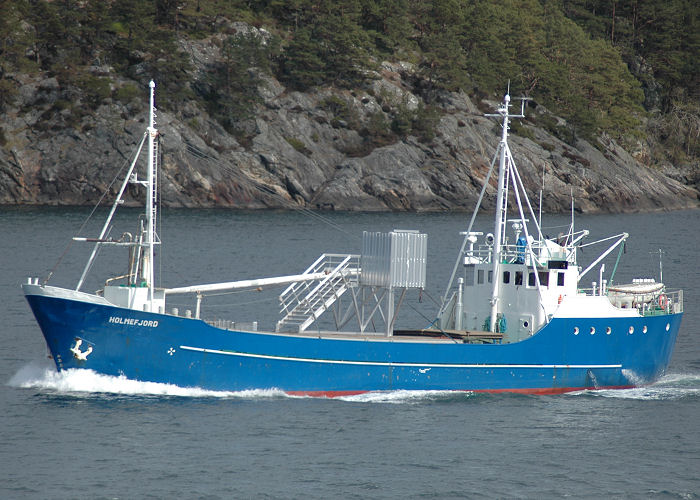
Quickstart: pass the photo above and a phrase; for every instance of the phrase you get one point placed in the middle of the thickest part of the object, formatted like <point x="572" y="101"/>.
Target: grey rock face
<point x="301" y="155"/>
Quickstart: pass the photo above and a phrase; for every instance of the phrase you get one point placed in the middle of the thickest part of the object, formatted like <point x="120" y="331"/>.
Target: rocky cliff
<point x="297" y="152"/>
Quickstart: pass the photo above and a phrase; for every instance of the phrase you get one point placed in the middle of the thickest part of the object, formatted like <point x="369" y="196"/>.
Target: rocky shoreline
<point x="298" y="153"/>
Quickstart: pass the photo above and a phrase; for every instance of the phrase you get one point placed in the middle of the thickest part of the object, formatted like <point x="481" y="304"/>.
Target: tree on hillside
<point x="56" y="30"/>
<point x="344" y="46"/>
<point x="387" y="24"/>
<point x="302" y="65"/>
<point x="665" y="35"/>
<point x="441" y="25"/>
<point x="133" y="20"/>
<point x="679" y="129"/>
<point x="232" y="84"/>
<point x="327" y="45"/>
<point x="544" y="55"/>
<point x="669" y="40"/>
<point x="166" y="13"/>
<point x="146" y="51"/>
<point x="13" y="46"/>
<point x="601" y="94"/>
<point x="490" y="54"/>
<point x="96" y="31"/>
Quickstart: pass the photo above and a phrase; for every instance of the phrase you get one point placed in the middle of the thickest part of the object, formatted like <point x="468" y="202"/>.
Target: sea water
<point x="79" y="434"/>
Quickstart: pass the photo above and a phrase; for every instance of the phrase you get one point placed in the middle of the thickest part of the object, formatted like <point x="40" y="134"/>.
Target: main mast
<point x="150" y="198"/>
<point x="501" y="210"/>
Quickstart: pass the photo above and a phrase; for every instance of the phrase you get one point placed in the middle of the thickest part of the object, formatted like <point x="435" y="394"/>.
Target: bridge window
<point x="560" y="279"/>
<point x="469" y="275"/>
<point x="518" y="278"/>
<point x="490" y="276"/>
<point x="531" y="280"/>
<point x="544" y="278"/>
<point x="480" y="276"/>
<point x="506" y="277"/>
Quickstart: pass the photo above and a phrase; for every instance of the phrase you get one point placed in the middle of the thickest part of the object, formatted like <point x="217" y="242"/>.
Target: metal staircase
<point x="304" y="301"/>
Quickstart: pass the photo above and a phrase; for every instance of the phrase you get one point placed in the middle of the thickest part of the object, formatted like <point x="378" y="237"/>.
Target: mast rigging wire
<point x="85" y="222"/>
<point x="195" y="152"/>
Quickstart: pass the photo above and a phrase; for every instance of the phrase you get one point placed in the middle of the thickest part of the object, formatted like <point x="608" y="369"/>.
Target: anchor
<point x="77" y="353"/>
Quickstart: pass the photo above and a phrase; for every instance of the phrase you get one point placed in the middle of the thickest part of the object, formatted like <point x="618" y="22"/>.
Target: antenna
<point x="539" y="218"/>
<point x="503" y="107"/>
<point x="572" y="214"/>
<point x="661" y="263"/>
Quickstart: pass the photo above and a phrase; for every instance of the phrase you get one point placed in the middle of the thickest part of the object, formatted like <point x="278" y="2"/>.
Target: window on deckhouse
<point x="469" y="275"/>
<point x="518" y="278"/>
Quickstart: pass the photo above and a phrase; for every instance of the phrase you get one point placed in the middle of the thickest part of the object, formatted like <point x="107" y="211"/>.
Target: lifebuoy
<point x="662" y="301"/>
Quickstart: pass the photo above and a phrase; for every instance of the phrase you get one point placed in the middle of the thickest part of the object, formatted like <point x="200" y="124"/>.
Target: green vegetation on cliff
<point x="605" y="66"/>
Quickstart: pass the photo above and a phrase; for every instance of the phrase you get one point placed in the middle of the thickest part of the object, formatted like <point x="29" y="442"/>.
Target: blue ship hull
<point x="190" y="353"/>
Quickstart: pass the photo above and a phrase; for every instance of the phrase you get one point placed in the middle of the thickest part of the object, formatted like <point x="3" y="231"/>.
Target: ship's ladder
<point x="154" y="186"/>
<point x="302" y="302"/>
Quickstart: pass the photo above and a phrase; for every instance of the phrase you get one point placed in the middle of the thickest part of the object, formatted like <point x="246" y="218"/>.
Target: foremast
<point x="151" y="196"/>
<point x="141" y="268"/>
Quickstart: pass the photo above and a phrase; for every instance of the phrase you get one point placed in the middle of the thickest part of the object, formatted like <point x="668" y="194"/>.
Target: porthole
<point x="631" y="330"/>
<point x="526" y="324"/>
<point x="608" y="330"/>
<point x="668" y="326"/>
<point x="576" y="330"/>
<point x="645" y="329"/>
<point x="593" y="330"/>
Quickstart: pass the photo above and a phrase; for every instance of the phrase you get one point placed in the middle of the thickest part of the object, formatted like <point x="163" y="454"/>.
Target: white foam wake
<point x="86" y="382"/>
<point x="670" y="387"/>
<point x="404" y="396"/>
